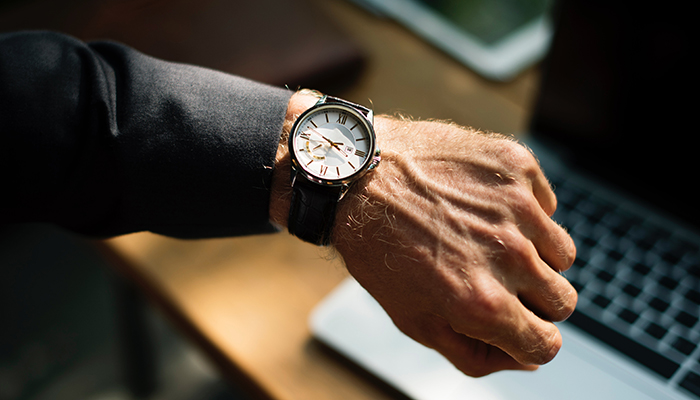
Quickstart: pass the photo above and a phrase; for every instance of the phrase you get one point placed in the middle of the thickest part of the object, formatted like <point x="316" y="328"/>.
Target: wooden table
<point x="245" y="301"/>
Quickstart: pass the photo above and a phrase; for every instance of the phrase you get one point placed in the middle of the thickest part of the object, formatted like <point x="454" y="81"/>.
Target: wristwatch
<point x="332" y="145"/>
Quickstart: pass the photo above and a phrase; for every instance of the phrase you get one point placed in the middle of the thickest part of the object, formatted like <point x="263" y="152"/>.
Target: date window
<point x="348" y="150"/>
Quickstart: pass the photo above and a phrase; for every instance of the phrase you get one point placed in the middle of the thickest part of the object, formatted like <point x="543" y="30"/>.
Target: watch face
<point x="332" y="143"/>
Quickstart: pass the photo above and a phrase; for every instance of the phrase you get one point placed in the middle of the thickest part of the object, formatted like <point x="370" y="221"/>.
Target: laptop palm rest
<point x="350" y="321"/>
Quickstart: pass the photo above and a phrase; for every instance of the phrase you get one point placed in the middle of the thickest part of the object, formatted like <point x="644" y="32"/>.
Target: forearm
<point x="104" y="140"/>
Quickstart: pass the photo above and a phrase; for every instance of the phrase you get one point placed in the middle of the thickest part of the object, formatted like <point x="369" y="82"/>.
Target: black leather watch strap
<point x="312" y="212"/>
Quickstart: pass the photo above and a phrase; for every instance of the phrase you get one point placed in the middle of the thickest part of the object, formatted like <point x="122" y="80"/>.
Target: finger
<point x="474" y="357"/>
<point x="496" y="316"/>
<point x="548" y="294"/>
<point x="544" y="194"/>
<point x="552" y="242"/>
<point x="554" y="245"/>
<point x="471" y="356"/>
<point x="539" y="286"/>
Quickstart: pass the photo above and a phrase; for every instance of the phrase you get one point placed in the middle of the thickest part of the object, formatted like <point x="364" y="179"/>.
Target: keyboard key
<point x="694" y="270"/>
<point x="641" y="269"/>
<point x="656" y="330"/>
<point x="601" y="301"/>
<point x="691" y="383"/>
<point x="580" y="262"/>
<point x="668" y="283"/>
<point x="686" y="319"/>
<point x="658" y="304"/>
<point x="588" y="242"/>
<point x="568" y="197"/>
<point x="621" y="223"/>
<point x="628" y="315"/>
<point x="693" y="295"/>
<point x="605" y="276"/>
<point x="615" y="255"/>
<point x="672" y="257"/>
<point x="676" y="249"/>
<point x="577" y="285"/>
<point x="647" y="237"/>
<point x="632" y="290"/>
<point x="638" y="352"/>
<point x="594" y="210"/>
<point x="684" y="346"/>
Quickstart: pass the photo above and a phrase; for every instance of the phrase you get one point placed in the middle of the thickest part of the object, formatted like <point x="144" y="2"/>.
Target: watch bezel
<point x="298" y="169"/>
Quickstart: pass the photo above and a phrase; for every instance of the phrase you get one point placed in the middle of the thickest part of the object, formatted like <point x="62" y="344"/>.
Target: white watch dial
<point x="332" y="142"/>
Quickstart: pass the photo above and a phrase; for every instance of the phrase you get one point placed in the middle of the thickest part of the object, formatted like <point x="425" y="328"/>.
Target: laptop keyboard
<point x="638" y="283"/>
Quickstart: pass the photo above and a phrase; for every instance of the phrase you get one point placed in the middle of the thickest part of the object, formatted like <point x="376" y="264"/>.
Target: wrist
<point x="361" y="210"/>
<point x="281" y="190"/>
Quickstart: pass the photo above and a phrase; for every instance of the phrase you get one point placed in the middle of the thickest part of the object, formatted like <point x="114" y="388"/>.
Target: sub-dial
<point x="317" y="150"/>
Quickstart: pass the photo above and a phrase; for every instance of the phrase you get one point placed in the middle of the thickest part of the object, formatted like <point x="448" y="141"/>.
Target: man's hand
<point x="452" y="235"/>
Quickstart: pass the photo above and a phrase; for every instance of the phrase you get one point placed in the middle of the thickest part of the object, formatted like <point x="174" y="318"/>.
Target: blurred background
<point x="71" y="325"/>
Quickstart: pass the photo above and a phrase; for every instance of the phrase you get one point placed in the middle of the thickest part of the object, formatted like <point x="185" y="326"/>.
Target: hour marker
<point x="324" y="169"/>
<point x="342" y="118"/>
<point x="327" y="121"/>
<point x="309" y="163"/>
<point x="360" y="139"/>
<point x="353" y="167"/>
<point x="305" y="135"/>
<point x="353" y="127"/>
<point x="337" y="171"/>
<point x="313" y="123"/>
<point x="360" y="153"/>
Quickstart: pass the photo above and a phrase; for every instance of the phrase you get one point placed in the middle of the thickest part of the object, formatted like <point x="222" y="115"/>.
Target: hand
<point x="451" y="234"/>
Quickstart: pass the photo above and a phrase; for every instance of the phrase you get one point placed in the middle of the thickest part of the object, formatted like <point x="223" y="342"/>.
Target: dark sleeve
<point x="103" y="140"/>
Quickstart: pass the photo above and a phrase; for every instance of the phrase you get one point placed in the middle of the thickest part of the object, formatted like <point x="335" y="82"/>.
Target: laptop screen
<point x="616" y="98"/>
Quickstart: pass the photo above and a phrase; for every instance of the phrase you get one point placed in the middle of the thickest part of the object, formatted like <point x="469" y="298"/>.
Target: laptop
<point x="614" y="131"/>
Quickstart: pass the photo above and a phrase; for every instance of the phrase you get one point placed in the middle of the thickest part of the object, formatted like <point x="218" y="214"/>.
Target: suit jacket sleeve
<point x="103" y="140"/>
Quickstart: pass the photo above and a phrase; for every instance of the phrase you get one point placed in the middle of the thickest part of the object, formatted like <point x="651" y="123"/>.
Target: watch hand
<point x="327" y="140"/>
<point x="332" y="143"/>
<point x="335" y="146"/>
<point x="320" y="134"/>
<point x="324" y="138"/>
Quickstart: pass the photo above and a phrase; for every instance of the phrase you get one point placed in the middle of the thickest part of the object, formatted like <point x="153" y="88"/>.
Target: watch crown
<point x="375" y="161"/>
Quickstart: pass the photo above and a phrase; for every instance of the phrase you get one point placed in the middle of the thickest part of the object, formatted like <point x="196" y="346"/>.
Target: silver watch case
<point x="367" y="119"/>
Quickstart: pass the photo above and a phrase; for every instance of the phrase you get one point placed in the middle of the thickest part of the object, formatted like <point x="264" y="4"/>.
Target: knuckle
<point x="560" y="251"/>
<point x="516" y="248"/>
<point x="526" y="202"/>
<point x="519" y="157"/>
<point x="567" y="252"/>
<point x="561" y="301"/>
<point x="486" y="305"/>
<point x="567" y="304"/>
